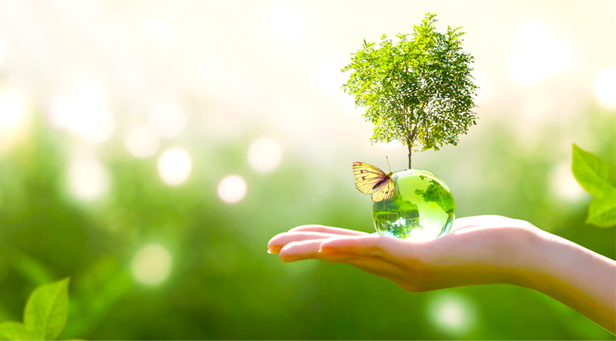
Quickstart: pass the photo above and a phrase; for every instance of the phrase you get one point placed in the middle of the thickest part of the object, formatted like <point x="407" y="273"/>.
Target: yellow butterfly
<point x="371" y="180"/>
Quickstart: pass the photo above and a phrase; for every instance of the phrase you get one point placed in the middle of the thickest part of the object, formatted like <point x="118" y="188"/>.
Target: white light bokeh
<point x="287" y="23"/>
<point x="537" y="55"/>
<point x="169" y="119"/>
<point x="87" y="178"/>
<point x="84" y="110"/>
<point x="174" y="166"/>
<point x="142" y="142"/>
<point x="605" y="88"/>
<point x="264" y="154"/>
<point x="151" y="265"/>
<point x="157" y="31"/>
<point x="232" y="189"/>
<point x="12" y="112"/>
<point x="564" y="185"/>
<point x="452" y="313"/>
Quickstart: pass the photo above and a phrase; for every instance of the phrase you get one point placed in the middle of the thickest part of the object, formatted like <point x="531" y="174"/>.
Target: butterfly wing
<point x="384" y="191"/>
<point x="367" y="176"/>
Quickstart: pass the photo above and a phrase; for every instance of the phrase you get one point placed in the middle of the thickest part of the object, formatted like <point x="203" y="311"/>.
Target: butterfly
<point x="371" y="180"/>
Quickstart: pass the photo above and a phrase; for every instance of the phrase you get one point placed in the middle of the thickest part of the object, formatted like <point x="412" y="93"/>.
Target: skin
<point x="479" y="250"/>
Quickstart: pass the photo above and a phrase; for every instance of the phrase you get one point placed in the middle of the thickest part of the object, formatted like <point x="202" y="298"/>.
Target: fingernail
<point x="273" y="250"/>
<point x="288" y="259"/>
<point x="327" y="251"/>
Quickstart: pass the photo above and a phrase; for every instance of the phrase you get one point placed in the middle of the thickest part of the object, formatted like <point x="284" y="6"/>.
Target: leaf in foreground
<point x="593" y="173"/>
<point x="602" y="211"/>
<point x="47" y="310"/>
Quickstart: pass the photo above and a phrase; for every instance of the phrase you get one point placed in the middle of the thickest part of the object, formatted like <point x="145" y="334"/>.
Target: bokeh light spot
<point x="12" y="112"/>
<point x="142" y="142"/>
<point x="88" y="178"/>
<point x="564" y="184"/>
<point x="232" y="189"/>
<point x="169" y="119"/>
<point x="151" y="265"/>
<point x="605" y="88"/>
<point x="264" y="154"/>
<point x="174" y="166"/>
<point x="537" y="55"/>
<point x="452" y="313"/>
<point x="287" y="23"/>
<point x="84" y="110"/>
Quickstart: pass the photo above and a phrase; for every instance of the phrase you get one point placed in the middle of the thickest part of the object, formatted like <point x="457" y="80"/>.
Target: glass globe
<point x="422" y="207"/>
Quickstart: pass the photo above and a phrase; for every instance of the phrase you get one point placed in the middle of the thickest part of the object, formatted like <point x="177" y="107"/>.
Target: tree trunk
<point x="410" y="145"/>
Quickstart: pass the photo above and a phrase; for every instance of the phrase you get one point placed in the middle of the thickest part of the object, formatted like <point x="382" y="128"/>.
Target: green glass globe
<point x="422" y="207"/>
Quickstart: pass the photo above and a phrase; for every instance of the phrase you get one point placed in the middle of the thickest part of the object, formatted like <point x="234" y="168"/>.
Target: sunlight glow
<point x="87" y="178"/>
<point x="12" y="112"/>
<point x="232" y="189"/>
<point x="210" y="78"/>
<point x="330" y="79"/>
<point x="486" y="87"/>
<point x="537" y="55"/>
<point x="2" y="52"/>
<point x="452" y="313"/>
<point x="563" y="183"/>
<point x="84" y="110"/>
<point x="142" y="142"/>
<point x="174" y="166"/>
<point x="169" y="119"/>
<point x="157" y="31"/>
<point x="605" y="88"/>
<point x="264" y="154"/>
<point x="151" y="265"/>
<point x="287" y="23"/>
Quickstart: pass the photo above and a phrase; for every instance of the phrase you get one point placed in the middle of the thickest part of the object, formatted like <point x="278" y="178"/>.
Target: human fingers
<point x="327" y="229"/>
<point x="308" y="249"/>
<point x="371" y="245"/>
<point x="280" y="240"/>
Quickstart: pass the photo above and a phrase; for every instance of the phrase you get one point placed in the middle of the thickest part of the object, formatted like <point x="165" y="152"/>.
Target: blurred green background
<point x="150" y="149"/>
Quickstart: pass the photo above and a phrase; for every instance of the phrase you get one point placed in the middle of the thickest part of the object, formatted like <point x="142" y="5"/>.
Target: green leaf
<point x="593" y="173"/>
<point x="15" y="331"/>
<point x="47" y="309"/>
<point x="602" y="211"/>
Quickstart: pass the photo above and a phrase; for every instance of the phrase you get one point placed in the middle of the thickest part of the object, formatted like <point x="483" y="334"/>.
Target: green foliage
<point x="44" y="316"/>
<point x="599" y="179"/>
<point x="417" y="91"/>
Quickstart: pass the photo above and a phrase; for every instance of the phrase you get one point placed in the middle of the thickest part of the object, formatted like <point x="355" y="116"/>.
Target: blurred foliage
<point x="223" y="284"/>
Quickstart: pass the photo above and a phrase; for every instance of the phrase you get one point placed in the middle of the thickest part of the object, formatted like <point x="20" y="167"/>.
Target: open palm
<point x="478" y="250"/>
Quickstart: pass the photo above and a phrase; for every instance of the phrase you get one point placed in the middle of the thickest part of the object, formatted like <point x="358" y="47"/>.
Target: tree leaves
<point x="45" y="314"/>
<point x="419" y="90"/>
<point x="598" y="178"/>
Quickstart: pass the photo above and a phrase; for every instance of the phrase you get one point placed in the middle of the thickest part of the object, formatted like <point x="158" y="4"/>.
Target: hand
<point x="478" y="250"/>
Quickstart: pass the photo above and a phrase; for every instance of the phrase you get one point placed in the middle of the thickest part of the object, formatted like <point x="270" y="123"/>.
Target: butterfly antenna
<point x="388" y="163"/>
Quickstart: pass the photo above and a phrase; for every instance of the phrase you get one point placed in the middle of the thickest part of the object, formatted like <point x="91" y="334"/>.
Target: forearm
<point x="575" y="276"/>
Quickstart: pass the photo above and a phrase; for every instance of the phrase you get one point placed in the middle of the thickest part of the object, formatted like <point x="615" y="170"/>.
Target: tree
<point x="418" y="91"/>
